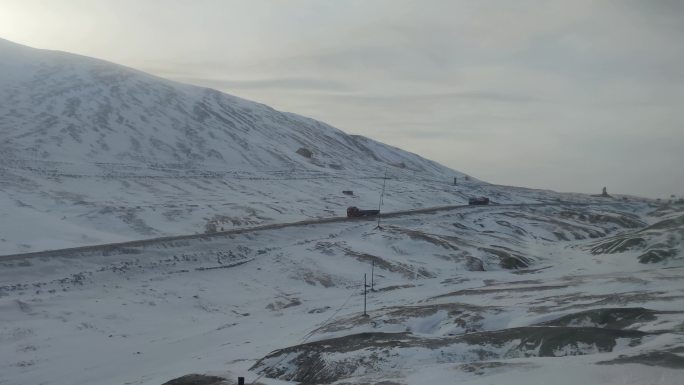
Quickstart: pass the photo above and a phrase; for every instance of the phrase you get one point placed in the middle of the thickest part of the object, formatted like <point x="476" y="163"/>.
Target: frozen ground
<point x="92" y="152"/>
<point x="530" y="290"/>
<point x="475" y="295"/>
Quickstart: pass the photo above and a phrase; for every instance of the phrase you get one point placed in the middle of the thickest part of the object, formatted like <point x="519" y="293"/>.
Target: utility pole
<point x="364" y="296"/>
<point x="372" y="275"/>
<point x="384" y="181"/>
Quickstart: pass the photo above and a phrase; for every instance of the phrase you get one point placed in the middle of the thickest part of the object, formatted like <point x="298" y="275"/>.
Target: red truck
<point x="354" y="212"/>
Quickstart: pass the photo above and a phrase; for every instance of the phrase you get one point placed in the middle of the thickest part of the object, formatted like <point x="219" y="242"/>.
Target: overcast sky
<point x="567" y="95"/>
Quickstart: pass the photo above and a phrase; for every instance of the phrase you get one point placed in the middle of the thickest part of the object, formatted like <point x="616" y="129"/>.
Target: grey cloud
<point x="669" y="8"/>
<point x="560" y="94"/>
<point x="436" y="96"/>
<point x="278" y="83"/>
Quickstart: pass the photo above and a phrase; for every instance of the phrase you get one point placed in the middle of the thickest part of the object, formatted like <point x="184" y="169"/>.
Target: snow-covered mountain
<point x="61" y="107"/>
<point x="93" y="152"/>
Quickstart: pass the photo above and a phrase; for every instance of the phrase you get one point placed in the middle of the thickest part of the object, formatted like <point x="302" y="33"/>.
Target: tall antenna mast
<point x="364" y="296"/>
<point x="382" y="195"/>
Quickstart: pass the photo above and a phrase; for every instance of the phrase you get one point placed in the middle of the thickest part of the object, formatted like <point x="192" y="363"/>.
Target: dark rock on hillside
<point x="198" y="379"/>
<point x="658" y="242"/>
<point x="201" y="379"/>
<point x="609" y="318"/>
<point x="334" y="359"/>
<point x="305" y="152"/>
<point x="662" y="359"/>
<point x="656" y="255"/>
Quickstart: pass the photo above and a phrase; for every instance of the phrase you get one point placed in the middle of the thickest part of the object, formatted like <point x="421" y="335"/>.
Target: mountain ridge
<point x="60" y="106"/>
<point x="94" y="152"/>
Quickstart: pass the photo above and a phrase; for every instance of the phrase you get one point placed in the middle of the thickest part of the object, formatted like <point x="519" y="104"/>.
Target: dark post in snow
<point x="241" y="381"/>
<point x="455" y="182"/>
<point x="382" y="195"/>
<point x="372" y="275"/>
<point x="364" y="296"/>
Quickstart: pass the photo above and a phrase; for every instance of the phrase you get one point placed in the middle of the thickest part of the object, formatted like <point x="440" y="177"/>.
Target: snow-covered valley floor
<point x="482" y="295"/>
<point x="529" y="290"/>
<point x="49" y="205"/>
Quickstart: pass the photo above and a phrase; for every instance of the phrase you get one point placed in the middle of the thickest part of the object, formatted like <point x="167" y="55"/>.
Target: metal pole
<point x="372" y="275"/>
<point x="384" y="181"/>
<point x="364" y="296"/>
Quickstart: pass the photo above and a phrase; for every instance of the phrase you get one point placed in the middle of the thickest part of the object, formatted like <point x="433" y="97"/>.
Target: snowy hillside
<point x="475" y="295"/>
<point x="537" y="288"/>
<point x="61" y="107"/>
<point x="94" y="152"/>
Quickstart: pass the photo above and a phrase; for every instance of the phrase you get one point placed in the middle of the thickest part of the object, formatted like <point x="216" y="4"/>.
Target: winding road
<point x="121" y="247"/>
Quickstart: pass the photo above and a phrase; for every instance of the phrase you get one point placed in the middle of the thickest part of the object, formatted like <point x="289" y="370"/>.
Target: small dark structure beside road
<point x="478" y="201"/>
<point x="354" y="212"/>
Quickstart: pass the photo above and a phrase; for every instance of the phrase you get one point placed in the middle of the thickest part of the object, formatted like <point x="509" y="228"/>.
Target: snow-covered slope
<point x="475" y="295"/>
<point x="93" y="152"/>
<point x="66" y="108"/>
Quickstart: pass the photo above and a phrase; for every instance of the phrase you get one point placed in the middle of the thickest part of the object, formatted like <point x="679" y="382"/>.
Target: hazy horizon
<point x="554" y="95"/>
